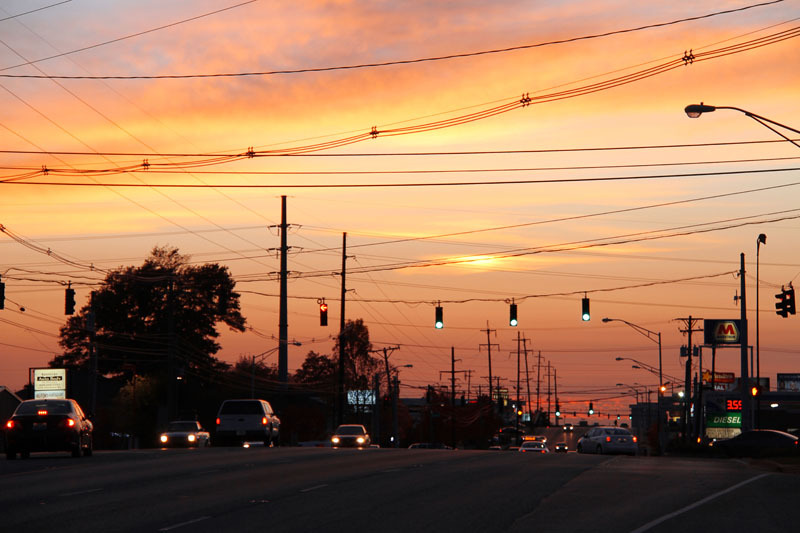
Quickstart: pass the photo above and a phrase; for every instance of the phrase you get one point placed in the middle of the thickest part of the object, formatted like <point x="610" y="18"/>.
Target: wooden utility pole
<point x="489" y="350"/>
<point x="340" y="393"/>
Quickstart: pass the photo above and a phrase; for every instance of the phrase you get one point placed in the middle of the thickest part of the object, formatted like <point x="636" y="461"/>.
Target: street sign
<point x="49" y="383"/>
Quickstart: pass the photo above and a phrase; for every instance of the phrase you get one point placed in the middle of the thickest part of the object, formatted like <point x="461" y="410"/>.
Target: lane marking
<point x="313" y="488"/>
<point x="88" y="491"/>
<point x="176" y="526"/>
<point x="707" y="499"/>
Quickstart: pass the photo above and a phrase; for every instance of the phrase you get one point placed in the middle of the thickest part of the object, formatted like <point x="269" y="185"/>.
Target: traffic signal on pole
<point x="585" y="315"/>
<point x="2" y="295"/>
<point x="439" y="323"/>
<point x="558" y="410"/>
<point x="69" y="301"/>
<point x="755" y="390"/>
<point x="789" y="300"/>
<point x="323" y="314"/>
<point x="781" y="307"/>
<point x="591" y="408"/>
<point x="512" y="315"/>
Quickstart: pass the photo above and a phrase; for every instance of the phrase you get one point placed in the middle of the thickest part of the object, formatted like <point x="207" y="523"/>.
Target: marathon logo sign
<point x="722" y="332"/>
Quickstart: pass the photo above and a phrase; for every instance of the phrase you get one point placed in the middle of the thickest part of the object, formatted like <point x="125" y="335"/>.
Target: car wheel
<point x="87" y="451"/>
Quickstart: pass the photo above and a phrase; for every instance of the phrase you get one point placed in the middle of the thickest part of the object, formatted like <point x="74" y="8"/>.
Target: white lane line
<point x="309" y="489"/>
<point x="81" y="492"/>
<point x="705" y="500"/>
<point x="176" y="526"/>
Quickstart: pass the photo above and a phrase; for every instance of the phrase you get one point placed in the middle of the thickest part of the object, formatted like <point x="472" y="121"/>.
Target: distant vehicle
<point x="240" y="421"/>
<point x="609" y="439"/>
<point x="759" y="443"/>
<point x="185" y="433"/>
<point x="48" y="426"/>
<point x="429" y="446"/>
<point x="350" y="436"/>
<point x="534" y="446"/>
<point x="568" y="428"/>
<point x="561" y="447"/>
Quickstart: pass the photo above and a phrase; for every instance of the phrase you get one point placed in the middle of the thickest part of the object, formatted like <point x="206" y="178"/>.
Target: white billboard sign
<point x="50" y="379"/>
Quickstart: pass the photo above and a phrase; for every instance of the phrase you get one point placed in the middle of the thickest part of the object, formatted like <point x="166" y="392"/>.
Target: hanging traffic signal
<point x="781" y="307"/>
<point x="585" y="315"/>
<point x="323" y="314"/>
<point x="789" y="300"/>
<point x="755" y="390"/>
<point x="69" y="301"/>
<point x="2" y="295"/>
<point x="591" y="408"/>
<point x="439" y="323"/>
<point x="512" y="315"/>
<point x="558" y="410"/>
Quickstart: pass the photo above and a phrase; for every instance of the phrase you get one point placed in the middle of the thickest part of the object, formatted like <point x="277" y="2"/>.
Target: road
<point x="320" y="489"/>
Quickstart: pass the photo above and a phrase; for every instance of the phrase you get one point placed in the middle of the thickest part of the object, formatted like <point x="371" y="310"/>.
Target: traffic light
<point x="2" y="295"/>
<point x="323" y="314"/>
<point x="512" y="315"/>
<point x="591" y="409"/>
<point x="789" y="300"/>
<point x="439" y="323"/>
<point x="781" y="308"/>
<point x="755" y="390"/>
<point x="585" y="315"/>
<point x="69" y="301"/>
<point x="558" y="410"/>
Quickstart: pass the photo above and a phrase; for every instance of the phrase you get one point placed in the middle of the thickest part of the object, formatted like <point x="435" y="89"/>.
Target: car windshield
<point x="242" y="407"/>
<point x="53" y="407"/>
<point x="350" y="430"/>
<point x="182" y="426"/>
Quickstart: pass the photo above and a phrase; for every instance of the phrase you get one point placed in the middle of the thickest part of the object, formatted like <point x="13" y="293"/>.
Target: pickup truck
<point x="241" y="421"/>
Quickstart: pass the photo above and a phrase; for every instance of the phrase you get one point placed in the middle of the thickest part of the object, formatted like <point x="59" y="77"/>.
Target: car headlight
<point x="164" y="439"/>
<point x="335" y="440"/>
<point x="360" y="440"/>
<point x="191" y="438"/>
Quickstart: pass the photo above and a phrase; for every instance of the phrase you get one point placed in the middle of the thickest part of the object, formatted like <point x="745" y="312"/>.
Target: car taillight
<point x="635" y="439"/>
<point x="543" y="451"/>
<point x="42" y="412"/>
<point x="10" y="425"/>
<point x="70" y="423"/>
<point x="608" y="439"/>
<point x="217" y="421"/>
<point x="263" y="420"/>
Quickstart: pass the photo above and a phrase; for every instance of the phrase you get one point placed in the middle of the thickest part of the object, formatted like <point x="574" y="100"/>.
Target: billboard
<point x="789" y="382"/>
<point x="49" y="383"/>
<point x="717" y="332"/>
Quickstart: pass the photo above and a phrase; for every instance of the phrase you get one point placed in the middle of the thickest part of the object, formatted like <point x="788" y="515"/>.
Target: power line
<point x="118" y="39"/>
<point x="362" y="65"/>
<point x="33" y="11"/>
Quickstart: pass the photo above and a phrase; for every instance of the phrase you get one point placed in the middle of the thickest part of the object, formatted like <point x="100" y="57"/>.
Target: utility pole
<point x="747" y="403"/>
<point x="527" y="376"/>
<point x="548" y="393"/>
<point x="555" y="386"/>
<point x="517" y="410"/>
<point x="689" y="323"/>
<point x="283" y="325"/>
<point x="453" y="373"/>
<point x="538" y="380"/>
<point x="489" y="349"/>
<point x="340" y="382"/>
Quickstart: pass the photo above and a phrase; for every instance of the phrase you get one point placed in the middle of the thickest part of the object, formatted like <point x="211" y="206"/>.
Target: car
<point x="48" y="425"/>
<point x="561" y="447"/>
<point x="759" y="443"/>
<point x="240" y="421"/>
<point x="568" y="428"/>
<point x="350" y="436"/>
<point x="429" y="446"/>
<point x="535" y="446"/>
<point x="608" y="439"/>
<point x="184" y="433"/>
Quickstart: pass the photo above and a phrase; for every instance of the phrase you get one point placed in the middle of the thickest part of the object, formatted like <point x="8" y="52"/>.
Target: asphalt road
<point x="320" y="489"/>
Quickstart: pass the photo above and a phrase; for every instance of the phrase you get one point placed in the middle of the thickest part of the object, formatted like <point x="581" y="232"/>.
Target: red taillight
<point x="70" y="423"/>
<point x="544" y="451"/>
<point x="263" y="420"/>
<point x="42" y="412"/>
<point x="608" y="439"/>
<point x="635" y="439"/>
<point x="217" y="421"/>
<point x="10" y="425"/>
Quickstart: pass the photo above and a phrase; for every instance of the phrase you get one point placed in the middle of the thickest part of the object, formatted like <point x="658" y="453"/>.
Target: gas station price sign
<point x="733" y="405"/>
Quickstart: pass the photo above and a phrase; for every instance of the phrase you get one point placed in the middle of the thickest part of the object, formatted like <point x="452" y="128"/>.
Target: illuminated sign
<point x="49" y="383"/>
<point x="719" y="377"/>
<point x="733" y="405"/>
<point x="361" y="397"/>
<point x="789" y="382"/>
<point x="724" y="420"/>
<point x="721" y="332"/>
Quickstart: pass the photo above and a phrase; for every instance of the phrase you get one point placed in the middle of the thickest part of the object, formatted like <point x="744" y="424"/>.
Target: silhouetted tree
<point x="147" y="314"/>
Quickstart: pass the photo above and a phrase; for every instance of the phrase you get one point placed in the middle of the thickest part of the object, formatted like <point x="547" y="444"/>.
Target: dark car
<point x="759" y="443"/>
<point x="350" y="436"/>
<point x="48" y="425"/>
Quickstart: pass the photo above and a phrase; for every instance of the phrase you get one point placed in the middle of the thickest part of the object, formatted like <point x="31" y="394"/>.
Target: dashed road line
<point x="182" y="524"/>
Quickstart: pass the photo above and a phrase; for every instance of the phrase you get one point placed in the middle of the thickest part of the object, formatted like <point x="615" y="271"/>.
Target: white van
<point x="240" y="421"/>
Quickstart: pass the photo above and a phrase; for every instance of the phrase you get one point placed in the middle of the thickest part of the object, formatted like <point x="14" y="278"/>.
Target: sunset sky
<point x="659" y="246"/>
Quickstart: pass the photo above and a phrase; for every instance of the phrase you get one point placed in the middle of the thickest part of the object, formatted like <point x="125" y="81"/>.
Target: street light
<point x="762" y="239"/>
<point x="262" y="355"/>
<point x="695" y="110"/>
<point x="652" y="335"/>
